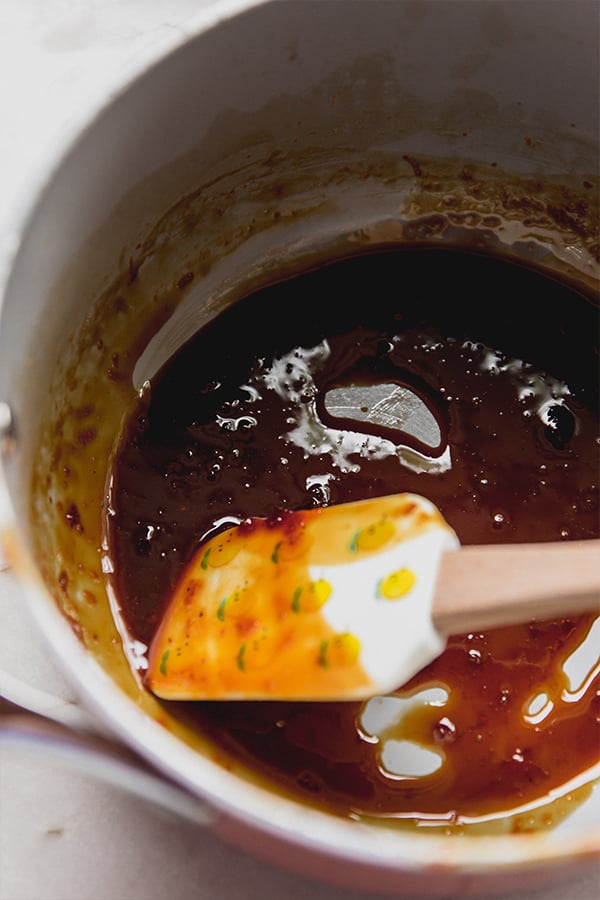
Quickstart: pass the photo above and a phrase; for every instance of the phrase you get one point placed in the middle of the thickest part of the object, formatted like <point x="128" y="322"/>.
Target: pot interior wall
<point x="459" y="81"/>
<point x="282" y="136"/>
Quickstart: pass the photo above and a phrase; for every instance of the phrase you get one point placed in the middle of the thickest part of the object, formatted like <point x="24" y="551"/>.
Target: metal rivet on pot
<point x="7" y="429"/>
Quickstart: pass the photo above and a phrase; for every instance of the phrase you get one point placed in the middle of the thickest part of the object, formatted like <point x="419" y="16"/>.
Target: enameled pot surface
<point x="296" y="101"/>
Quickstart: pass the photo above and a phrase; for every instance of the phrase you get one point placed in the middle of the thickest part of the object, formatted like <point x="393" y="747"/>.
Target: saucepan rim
<point x="231" y="795"/>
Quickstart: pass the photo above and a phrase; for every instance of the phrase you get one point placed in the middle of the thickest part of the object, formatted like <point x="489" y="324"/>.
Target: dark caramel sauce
<point x="506" y="362"/>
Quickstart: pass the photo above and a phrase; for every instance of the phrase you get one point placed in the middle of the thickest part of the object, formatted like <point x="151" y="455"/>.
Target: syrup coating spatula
<point x="349" y="601"/>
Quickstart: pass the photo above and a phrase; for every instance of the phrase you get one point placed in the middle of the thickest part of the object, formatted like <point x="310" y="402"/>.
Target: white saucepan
<point x="270" y="136"/>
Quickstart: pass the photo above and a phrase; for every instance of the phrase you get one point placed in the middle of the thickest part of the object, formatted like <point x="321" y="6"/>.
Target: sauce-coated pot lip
<point x="203" y="777"/>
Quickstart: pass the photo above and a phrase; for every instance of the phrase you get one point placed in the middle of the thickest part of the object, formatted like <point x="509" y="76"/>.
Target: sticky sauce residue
<point x="248" y="618"/>
<point x="235" y="428"/>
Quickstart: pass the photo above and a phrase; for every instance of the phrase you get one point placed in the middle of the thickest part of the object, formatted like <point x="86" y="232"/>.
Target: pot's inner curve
<point x="462" y="377"/>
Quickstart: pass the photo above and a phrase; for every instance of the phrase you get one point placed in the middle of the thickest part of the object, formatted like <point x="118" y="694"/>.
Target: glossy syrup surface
<point x="470" y="380"/>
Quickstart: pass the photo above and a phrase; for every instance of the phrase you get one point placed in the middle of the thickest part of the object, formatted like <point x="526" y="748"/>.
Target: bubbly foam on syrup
<point x="292" y="377"/>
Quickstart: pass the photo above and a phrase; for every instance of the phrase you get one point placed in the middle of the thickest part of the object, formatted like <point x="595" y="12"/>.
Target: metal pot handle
<point x="35" y="722"/>
<point x="101" y="759"/>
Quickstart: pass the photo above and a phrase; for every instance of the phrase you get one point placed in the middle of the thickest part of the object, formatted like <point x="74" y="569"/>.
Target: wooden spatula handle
<point x="481" y="587"/>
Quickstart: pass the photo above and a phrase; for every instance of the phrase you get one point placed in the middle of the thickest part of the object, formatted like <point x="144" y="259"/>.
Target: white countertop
<point x="62" y="836"/>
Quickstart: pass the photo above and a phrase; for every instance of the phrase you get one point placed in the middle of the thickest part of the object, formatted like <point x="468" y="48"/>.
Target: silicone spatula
<point x="349" y="601"/>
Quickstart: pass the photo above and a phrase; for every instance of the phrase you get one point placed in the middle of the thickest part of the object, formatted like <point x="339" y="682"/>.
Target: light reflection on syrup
<point x="527" y="696"/>
<point x="320" y="428"/>
<point x="412" y="723"/>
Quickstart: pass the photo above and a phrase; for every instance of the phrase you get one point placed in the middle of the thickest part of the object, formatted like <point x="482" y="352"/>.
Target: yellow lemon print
<point x="240" y="602"/>
<point x="397" y="584"/>
<point x="256" y="653"/>
<point x="220" y="551"/>
<point x="339" y="650"/>
<point x="292" y="547"/>
<point x="312" y="596"/>
<point x="375" y="536"/>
